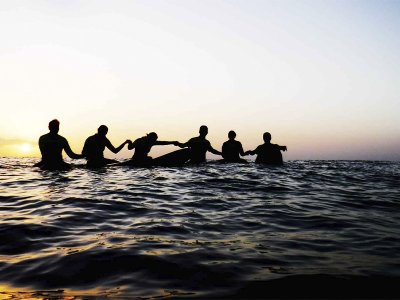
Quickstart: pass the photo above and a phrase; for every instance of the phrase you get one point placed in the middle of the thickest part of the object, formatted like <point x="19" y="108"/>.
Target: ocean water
<point x="208" y="231"/>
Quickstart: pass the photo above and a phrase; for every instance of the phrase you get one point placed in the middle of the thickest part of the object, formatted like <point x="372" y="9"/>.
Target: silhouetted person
<point x="95" y="146"/>
<point x="142" y="148"/>
<point x="231" y="149"/>
<point x="199" y="146"/>
<point x="51" y="146"/>
<point x="268" y="153"/>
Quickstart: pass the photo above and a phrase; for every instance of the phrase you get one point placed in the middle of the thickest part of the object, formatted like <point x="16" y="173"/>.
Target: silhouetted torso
<point x="142" y="148"/>
<point x="198" y="149"/>
<point x="94" y="148"/>
<point x="51" y="146"/>
<point x="231" y="150"/>
<point x="269" y="154"/>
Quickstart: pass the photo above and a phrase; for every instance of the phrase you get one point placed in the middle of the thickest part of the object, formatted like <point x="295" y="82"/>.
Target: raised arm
<point x="119" y="148"/>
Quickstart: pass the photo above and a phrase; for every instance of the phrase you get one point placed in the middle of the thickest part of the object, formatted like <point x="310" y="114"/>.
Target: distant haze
<point x="323" y="77"/>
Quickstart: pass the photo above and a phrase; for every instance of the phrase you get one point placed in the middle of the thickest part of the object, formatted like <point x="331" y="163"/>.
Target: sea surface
<point x="207" y="231"/>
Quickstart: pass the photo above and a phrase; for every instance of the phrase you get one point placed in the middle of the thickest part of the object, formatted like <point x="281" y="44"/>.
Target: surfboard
<point x="172" y="159"/>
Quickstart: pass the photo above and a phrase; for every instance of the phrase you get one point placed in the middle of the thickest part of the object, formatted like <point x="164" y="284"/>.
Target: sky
<point x="323" y="77"/>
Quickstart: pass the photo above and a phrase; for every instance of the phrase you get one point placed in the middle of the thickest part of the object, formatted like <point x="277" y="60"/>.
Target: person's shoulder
<point x="61" y="138"/>
<point x="260" y="147"/>
<point x="44" y="136"/>
<point x="91" y="138"/>
<point x="139" y="140"/>
<point x="275" y="145"/>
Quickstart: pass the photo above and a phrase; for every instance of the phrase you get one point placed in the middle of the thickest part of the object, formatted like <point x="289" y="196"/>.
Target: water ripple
<point x="198" y="230"/>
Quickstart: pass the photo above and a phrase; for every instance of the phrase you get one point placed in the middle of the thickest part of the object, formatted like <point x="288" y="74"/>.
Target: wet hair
<point x="232" y="134"/>
<point x="54" y="125"/>
<point x="103" y="129"/>
<point x="267" y="136"/>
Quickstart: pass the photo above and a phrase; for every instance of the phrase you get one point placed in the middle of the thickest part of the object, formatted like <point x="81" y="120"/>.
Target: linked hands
<point x="178" y="144"/>
<point x="130" y="144"/>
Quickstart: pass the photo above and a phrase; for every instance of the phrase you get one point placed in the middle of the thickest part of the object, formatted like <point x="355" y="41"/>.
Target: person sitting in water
<point x="94" y="147"/>
<point x="142" y="148"/>
<point x="268" y="153"/>
<point x="231" y="149"/>
<point x="199" y="146"/>
<point x="51" y="146"/>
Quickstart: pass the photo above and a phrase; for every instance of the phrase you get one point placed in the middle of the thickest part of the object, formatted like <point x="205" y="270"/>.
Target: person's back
<point x="199" y="146"/>
<point x="94" y="147"/>
<point x="232" y="149"/>
<point x="198" y="149"/>
<point x="51" y="146"/>
<point x="268" y="153"/>
<point x="142" y="147"/>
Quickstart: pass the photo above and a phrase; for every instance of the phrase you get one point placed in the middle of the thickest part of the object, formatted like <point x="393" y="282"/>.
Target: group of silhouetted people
<point x="194" y="151"/>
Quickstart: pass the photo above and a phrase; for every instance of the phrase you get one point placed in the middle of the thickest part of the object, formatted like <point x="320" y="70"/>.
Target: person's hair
<point x="203" y="128"/>
<point x="103" y="129"/>
<point x="232" y="134"/>
<point x="153" y="135"/>
<point x="54" y="125"/>
<point x="267" y="136"/>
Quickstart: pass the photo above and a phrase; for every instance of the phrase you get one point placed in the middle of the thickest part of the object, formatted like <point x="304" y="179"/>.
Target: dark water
<point x="208" y="231"/>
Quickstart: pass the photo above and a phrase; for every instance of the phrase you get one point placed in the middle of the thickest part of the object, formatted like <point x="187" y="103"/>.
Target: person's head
<point x="152" y="136"/>
<point x="267" y="137"/>
<point x="102" y="130"/>
<point x="231" y="135"/>
<point x="203" y="130"/>
<point x="54" y="126"/>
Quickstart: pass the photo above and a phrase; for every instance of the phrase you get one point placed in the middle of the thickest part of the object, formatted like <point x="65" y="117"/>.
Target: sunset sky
<point x="322" y="76"/>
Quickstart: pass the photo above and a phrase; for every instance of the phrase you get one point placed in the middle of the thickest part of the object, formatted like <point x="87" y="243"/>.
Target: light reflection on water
<point x="162" y="231"/>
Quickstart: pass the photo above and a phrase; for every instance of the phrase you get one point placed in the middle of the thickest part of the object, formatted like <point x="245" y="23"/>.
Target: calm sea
<point x="215" y="230"/>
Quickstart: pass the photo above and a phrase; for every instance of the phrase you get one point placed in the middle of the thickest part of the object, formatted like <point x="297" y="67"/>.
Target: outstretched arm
<point x="282" y="148"/>
<point x="212" y="150"/>
<point x="119" y="148"/>
<point x="182" y="145"/>
<point x="71" y="153"/>
<point x="166" y="143"/>
<point x="250" y="152"/>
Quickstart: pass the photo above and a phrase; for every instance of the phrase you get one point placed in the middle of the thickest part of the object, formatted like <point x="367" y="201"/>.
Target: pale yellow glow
<point x="25" y="148"/>
<point x="248" y="66"/>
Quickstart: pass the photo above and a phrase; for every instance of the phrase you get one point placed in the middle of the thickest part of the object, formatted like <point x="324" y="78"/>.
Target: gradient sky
<point x="322" y="76"/>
